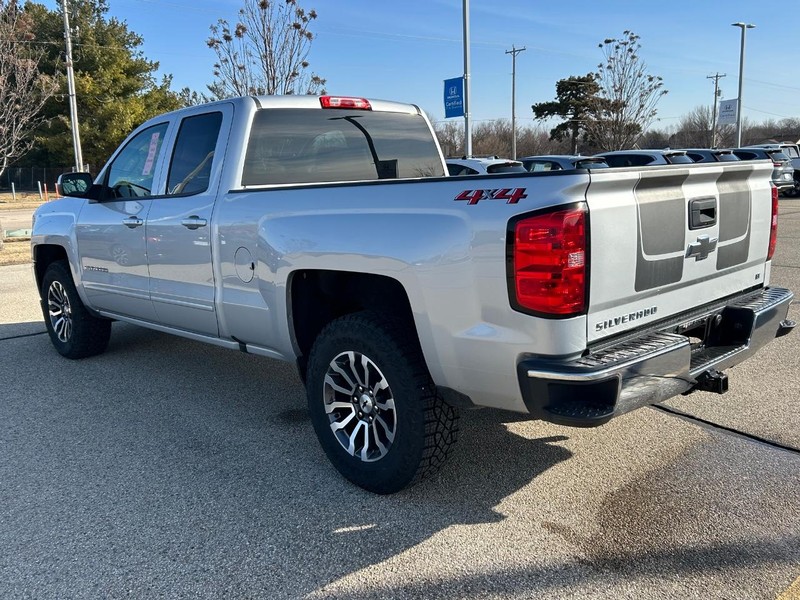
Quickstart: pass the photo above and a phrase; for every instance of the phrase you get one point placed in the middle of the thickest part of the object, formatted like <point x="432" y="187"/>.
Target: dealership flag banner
<point x="728" y="109"/>
<point x="454" y="97"/>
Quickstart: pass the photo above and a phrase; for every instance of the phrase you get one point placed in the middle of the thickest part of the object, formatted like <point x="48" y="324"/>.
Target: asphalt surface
<point x="17" y="218"/>
<point x="167" y="468"/>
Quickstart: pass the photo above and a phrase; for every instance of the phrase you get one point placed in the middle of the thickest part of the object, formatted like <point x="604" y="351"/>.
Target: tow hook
<point x="712" y="381"/>
<point x="785" y="327"/>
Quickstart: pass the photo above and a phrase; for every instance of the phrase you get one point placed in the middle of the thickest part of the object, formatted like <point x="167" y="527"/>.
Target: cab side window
<point x="190" y="168"/>
<point x="131" y="174"/>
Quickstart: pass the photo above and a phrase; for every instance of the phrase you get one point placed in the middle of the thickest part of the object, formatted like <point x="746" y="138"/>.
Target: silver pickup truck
<point x="324" y="231"/>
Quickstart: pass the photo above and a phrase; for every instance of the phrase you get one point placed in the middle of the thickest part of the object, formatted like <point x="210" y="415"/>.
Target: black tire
<point x="424" y="427"/>
<point x="792" y="192"/>
<point x="73" y="330"/>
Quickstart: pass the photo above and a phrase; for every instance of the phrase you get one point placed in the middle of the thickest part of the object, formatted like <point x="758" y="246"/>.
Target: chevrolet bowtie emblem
<point x="701" y="248"/>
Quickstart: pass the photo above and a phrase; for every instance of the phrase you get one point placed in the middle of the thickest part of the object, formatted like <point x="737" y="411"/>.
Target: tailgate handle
<point x="702" y="213"/>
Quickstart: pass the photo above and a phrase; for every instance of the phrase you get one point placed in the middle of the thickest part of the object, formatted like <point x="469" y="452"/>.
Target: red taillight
<point x="777" y="165"/>
<point x="549" y="262"/>
<point x="773" y="230"/>
<point x="344" y="102"/>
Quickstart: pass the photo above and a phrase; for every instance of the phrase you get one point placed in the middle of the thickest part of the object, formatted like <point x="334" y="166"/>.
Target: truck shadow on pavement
<point x="186" y="468"/>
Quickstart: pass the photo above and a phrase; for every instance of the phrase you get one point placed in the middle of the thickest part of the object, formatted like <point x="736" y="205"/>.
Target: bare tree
<point x="451" y="137"/>
<point x="628" y="94"/>
<point x="23" y="89"/>
<point x="266" y="51"/>
<point x="493" y="138"/>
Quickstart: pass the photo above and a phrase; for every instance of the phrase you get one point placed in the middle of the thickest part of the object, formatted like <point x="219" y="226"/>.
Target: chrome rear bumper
<point x="654" y="366"/>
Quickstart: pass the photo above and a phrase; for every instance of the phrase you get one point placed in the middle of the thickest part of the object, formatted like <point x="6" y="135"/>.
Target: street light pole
<point x="73" y="106"/>
<point x="467" y="124"/>
<point x="739" y="104"/>
<point x="513" y="52"/>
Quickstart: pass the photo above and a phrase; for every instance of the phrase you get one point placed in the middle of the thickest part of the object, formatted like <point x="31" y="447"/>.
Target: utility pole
<point x="716" y="79"/>
<point x="73" y="106"/>
<point x="513" y="52"/>
<point x="467" y="124"/>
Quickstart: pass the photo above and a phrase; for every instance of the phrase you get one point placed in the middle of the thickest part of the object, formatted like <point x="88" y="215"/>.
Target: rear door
<point x="665" y="240"/>
<point x="179" y="224"/>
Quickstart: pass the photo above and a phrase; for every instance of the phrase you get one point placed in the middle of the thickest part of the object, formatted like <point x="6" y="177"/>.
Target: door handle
<point x="194" y="222"/>
<point x="133" y="222"/>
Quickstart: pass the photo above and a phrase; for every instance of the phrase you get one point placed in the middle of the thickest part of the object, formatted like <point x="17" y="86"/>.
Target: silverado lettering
<point x="634" y="316"/>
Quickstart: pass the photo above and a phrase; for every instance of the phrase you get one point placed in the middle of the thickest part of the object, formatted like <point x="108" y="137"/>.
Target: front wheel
<point x="375" y="410"/>
<point x="73" y="330"/>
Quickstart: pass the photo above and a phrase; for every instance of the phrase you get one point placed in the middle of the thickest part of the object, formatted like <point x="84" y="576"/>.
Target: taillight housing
<point x="773" y="229"/>
<point x="548" y="262"/>
<point x="344" y="102"/>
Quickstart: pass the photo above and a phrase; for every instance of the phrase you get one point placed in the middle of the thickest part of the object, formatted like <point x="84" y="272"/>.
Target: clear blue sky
<point x="404" y="50"/>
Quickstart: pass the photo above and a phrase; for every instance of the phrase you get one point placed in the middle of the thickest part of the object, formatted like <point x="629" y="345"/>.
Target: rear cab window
<point x="311" y="146"/>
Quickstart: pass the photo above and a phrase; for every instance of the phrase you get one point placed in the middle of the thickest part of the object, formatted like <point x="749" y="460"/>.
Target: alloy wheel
<point x="360" y="406"/>
<point x="60" y="311"/>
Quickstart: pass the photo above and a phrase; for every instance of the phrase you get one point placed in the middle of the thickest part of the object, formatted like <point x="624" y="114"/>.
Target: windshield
<point x="678" y="159"/>
<point x="506" y="168"/>
<point x="590" y="163"/>
<point x="778" y="156"/>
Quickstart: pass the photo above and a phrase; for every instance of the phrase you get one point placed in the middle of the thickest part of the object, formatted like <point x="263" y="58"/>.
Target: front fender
<point x="54" y="224"/>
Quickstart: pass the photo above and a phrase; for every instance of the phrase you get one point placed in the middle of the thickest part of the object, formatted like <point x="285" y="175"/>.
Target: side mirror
<point x="74" y="184"/>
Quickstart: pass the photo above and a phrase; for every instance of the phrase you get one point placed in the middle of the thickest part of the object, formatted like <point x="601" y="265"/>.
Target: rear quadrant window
<point x="310" y="146"/>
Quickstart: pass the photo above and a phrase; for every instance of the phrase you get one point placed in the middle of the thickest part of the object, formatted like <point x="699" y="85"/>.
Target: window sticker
<point x="151" y="154"/>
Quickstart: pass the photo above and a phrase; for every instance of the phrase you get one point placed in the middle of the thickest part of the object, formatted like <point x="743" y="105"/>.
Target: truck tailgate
<point x="691" y="235"/>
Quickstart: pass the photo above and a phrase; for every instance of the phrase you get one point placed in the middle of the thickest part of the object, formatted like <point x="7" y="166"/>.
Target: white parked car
<point x="482" y="166"/>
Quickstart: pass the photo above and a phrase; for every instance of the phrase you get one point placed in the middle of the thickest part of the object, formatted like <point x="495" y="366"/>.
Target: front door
<point x="111" y="231"/>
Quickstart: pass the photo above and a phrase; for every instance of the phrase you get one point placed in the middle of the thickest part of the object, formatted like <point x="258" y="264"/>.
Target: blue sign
<point x="454" y="97"/>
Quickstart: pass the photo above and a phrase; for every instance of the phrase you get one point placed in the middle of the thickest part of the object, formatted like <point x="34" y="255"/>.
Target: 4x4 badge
<point x="511" y="196"/>
<point x="700" y="249"/>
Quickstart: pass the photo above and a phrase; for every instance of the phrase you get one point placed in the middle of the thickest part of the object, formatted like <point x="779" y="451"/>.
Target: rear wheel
<point x="375" y="410"/>
<point x="73" y="330"/>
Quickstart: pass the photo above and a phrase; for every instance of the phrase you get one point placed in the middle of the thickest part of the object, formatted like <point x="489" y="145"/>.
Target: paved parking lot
<point x="167" y="468"/>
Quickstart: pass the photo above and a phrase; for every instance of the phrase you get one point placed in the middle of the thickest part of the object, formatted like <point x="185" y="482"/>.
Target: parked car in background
<point x="641" y="158"/>
<point x="793" y="152"/>
<point x="562" y="162"/>
<point x="483" y="166"/>
<point x="783" y="171"/>
<point x="702" y="155"/>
